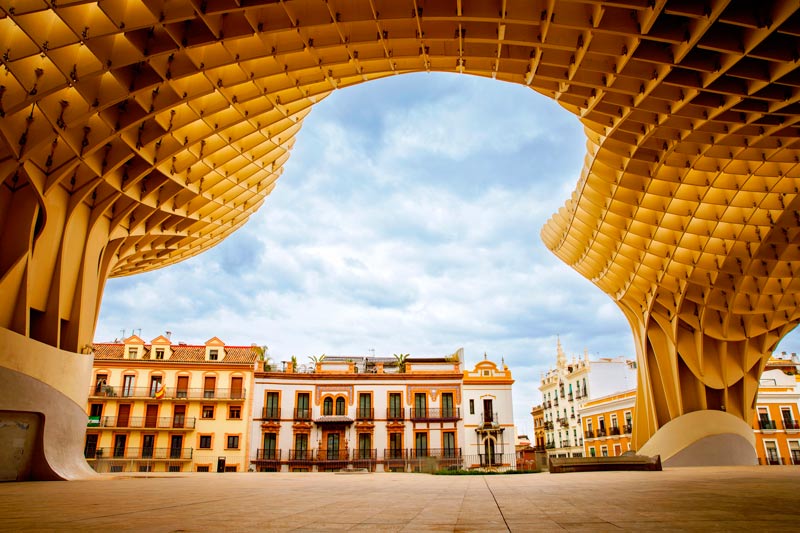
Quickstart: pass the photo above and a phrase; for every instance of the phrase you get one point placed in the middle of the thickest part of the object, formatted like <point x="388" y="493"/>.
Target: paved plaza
<point x="696" y="499"/>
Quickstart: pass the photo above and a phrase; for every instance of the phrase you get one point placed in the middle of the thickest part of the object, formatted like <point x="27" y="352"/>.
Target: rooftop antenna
<point x="169" y="334"/>
<point x="372" y="351"/>
<point x="123" y="333"/>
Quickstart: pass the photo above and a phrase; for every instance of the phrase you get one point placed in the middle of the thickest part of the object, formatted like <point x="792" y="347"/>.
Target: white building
<point x="568" y="386"/>
<point x="382" y="414"/>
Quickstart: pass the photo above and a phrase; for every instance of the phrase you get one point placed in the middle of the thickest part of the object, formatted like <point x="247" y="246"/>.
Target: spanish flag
<point x="161" y="392"/>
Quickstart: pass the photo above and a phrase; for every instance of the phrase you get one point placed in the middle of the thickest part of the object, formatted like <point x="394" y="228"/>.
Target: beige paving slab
<point x="688" y="499"/>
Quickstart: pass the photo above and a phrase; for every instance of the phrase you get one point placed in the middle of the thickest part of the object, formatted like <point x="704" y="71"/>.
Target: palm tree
<point x="317" y="358"/>
<point x="401" y="361"/>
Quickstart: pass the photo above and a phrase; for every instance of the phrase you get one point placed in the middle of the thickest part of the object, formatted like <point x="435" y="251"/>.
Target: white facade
<point x="377" y="414"/>
<point x="568" y="386"/>
<point x="489" y="432"/>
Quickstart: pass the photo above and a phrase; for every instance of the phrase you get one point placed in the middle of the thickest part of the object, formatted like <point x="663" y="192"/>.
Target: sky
<point x="407" y="220"/>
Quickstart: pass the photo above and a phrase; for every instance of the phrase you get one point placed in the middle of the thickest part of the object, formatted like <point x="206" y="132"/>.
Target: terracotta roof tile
<point x="183" y="353"/>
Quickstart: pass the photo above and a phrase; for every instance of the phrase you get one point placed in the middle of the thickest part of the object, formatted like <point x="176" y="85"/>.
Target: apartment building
<point x="382" y="414"/>
<point x="161" y="406"/>
<point x="567" y="387"/>
<point x="607" y="421"/>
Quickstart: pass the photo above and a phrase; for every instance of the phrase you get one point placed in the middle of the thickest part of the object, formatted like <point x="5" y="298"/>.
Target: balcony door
<point x="447" y="405"/>
<point x="488" y="451"/>
<point x="420" y="405"/>
<point x="395" y="406"/>
<point x="123" y="415"/>
<point x="178" y="416"/>
<point x="236" y="388"/>
<point x="155" y="384"/>
<point x="270" y="446"/>
<point x="303" y="412"/>
<point x="421" y="444"/>
<point x="209" y="386"/>
<point x="148" y="445"/>
<point x="151" y="416"/>
<point x="333" y="446"/>
<point x="364" y="446"/>
<point x="487" y="410"/>
<point x="90" y="449"/>
<point x="175" y="446"/>
<point x="119" y="445"/>
<point x="127" y="386"/>
<point x="301" y="446"/>
<point x="182" y="387"/>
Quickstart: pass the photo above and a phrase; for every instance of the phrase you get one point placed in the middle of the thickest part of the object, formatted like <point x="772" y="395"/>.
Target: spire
<point x="561" y="359"/>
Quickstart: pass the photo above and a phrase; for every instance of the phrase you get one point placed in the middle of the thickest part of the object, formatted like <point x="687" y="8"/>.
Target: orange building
<point x="167" y="407"/>
<point x="607" y="424"/>
<point x="539" y="433"/>
<point x="776" y="425"/>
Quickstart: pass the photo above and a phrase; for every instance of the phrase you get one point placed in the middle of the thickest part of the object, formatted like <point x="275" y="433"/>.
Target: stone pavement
<point x="694" y="499"/>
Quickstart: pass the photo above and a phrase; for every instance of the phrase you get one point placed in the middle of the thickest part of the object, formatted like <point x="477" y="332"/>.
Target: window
<point x="794" y="451"/>
<point x="127" y="386"/>
<point x="364" y="446"/>
<point x="209" y="386"/>
<point x="231" y="468"/>
<point x="273" y="408"/>
<point x="302" y="411"/>
<point x="213" y="355"/>
<point x="447" y="405"/>
<point x="604" y="451"/>
<point x="617" y="449"/>
<point x="339" y="405"/>
<point x="773" y="458"/>
<point x="364" y="406"/>
<point x="421" y="444"/>
<point x="395" y="445"/>
<point x="449" y="443"/>
<point x="155" y="385"/>
<point x="614" y="421"/>
<point x="327" y="406"/>
<point x="300" y="446"/>
<point x="96" y="409"/>
<point x="395" y="406"/>
<point x="205" y="442"/>
<point x="592" y="452"/>
<point x="100" y="383"/>
<point x="237" y="392"/>
<point x="159" y="353"/>
<point x="488" y="410"/>
<point x="472" y="407"/>
<point x="132" y="353"/>
<point x="174" y="468"/>
<point x="115" y="468"/>
<point x="233" y="442"/>
<point x="235" y="411"/>
<point x="145" y="468"/>
<point x="203" y="468"/>
<point x="208" y="411"/>
<point x="270" y="445"/>
<point x="420" y="405"/>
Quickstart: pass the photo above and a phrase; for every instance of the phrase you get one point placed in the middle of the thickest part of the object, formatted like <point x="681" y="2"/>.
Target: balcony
<point x="144" y="454"/>
<point x="268" y="454"/>
<point x="791" y="425"/>
<point x="430" y="414"/>
<point x="395" y="413"/>
<point x="146" y="422"/>
<point x="446" y="453"/>
<point x="364" y="454"/>
<point x="170" y="393"/>
<point x="613" y="430"/>
<point x="365" y="413"/>
<point x="301" y="455"/>
<point x="394" y="454"/>
<point x="564" y="422"/>
<point x="589" y="434"/>
<point x="555" y="402"/>
<point x="766" y="424"/>
<point x="548" y="424"/>
<point x="601" y="432"/>
<point x="627" y="429"/>
<point x="569" y="397"/>
<point x="302" y="414"/>
<point x="270" y="413"/>
<point x="550" y="445"/>
<point x="796" y="457"/>
<point x="341" y="454"/>
<point x="548" y="404"/>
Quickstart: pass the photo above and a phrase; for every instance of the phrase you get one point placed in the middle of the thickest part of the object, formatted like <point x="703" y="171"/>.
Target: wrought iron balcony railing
<point x="268" y="454"/>
<point x="613" y="430"/>
<point x="395" y="413"/>
<point x="144" y="422"/>
<point x="365" y="413"/>
<point x="302" y="414"/>
<point x="145" y="453"/>
<point x="448" y="453"/>
<point x="452" y="413"/>
<point x="301" y="454"/>
<point x="169" y="393"/>
<point x="790" y="424"/>
<point x="766" y="424"/>
<point x="601" y="432"/>
<point x="589" y="434"/>
<point x="627" y="429"/>
<point x="270" y="413"/>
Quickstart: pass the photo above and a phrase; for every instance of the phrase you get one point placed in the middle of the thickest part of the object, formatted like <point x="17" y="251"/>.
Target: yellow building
<point x="166" y="407"/>
<point x="539" y="433"/>
<point x="607" y="424"/>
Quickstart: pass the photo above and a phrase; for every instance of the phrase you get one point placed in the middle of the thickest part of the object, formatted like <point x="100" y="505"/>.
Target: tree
<point x="401" y="361"/>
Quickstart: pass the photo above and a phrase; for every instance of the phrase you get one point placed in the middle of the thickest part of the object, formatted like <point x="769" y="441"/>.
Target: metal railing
<point x="548" y="424"/>
<point x="766" y="424"/>
<point x="302" y="414"/>
<point x="170" y="393"/>
<point x="416" y="453"/>
<point x="495" y="459"/>
<point x="300" y="454"/>
<point x="589" y="434"/>
<point x="395" y="413"/>
<point x="489" y="417"/>
<point x="570" y="397"/>
<point x="365" y="413"/>
<point x="627" y="429"/>
<point x="270" y="413"/>
<point x="788" y="423"/>
<point x="268" y="454"/>
<point x="613" y="430"/>
<point x="452" y="413"/>
<point x="148" y="453"/>
<point x="601" y="432"/>
<point x="147" y="422"/>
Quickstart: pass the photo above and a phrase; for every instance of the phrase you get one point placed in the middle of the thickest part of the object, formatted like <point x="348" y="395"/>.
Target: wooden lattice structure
<point x="137" y="133"/>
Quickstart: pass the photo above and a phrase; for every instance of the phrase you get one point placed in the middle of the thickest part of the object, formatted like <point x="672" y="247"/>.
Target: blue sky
<point x="406" y="221"/>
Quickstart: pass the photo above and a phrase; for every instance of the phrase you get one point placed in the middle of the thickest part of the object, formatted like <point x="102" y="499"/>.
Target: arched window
<point x="327" y="406"/>
<point x="340" y="406"/>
